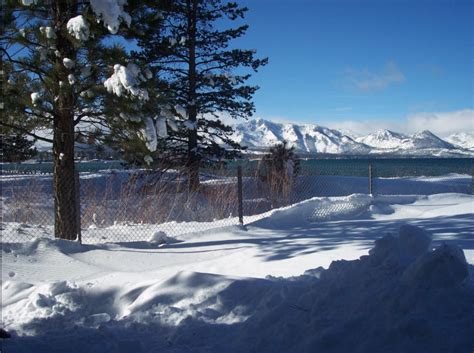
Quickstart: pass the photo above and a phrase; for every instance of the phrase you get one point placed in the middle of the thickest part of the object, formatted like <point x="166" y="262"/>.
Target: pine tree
<point x="205" y="79"/>
<point x="56" y="55"/>
<point x="16" y="147"/>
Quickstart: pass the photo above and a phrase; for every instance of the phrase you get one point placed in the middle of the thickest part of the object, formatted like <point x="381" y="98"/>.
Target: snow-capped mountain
<point x="462" y="139"/>
<point x="383" y="139"/>
<point x="260" y="134"/>
<point x="386" y="139"/>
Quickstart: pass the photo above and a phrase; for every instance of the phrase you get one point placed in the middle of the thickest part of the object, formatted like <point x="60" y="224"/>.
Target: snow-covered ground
<point x="271" y="286"/>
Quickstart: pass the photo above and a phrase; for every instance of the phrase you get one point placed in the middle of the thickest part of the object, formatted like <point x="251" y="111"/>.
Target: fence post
<point x="239" y="195"/>
<point x="370" y="179"/>
<point x="78" y="206"/>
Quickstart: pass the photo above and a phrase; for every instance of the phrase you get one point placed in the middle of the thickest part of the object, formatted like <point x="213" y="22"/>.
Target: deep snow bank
<point x="402" y="297"/>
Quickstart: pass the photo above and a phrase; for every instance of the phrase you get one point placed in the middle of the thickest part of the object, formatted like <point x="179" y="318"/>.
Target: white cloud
<point x="440" y="123"/>
<point x="363" y="80"/>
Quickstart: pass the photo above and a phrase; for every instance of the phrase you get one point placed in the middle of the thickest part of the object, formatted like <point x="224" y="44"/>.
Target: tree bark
<point x="66" y="220"/>
<point x="193" y="160"/>
<point x="65" y="199"/>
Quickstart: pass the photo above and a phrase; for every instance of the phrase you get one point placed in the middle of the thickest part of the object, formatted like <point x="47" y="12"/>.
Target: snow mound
<point x="403" y="249"/>
<point x="343" y="208"/>
<point x="425" y="305"/>
<point x="444" y="267"/>
<point x="46" y="301"/>
<point x="317" y="209"/>
<point x="161" y="238"/>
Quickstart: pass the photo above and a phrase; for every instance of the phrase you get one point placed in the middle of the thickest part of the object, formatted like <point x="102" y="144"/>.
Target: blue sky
<point x="361" y="64"/>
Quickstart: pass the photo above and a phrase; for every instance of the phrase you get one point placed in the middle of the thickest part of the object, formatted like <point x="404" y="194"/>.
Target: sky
<point x="364" y="65"/>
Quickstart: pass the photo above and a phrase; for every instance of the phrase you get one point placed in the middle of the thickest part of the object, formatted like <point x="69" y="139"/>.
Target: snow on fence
<point x="145" y="205"/>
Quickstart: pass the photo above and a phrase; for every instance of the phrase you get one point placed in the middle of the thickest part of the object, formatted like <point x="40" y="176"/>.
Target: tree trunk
<point x="65" y="199"/>
<point x="66" y="202"/>
<point x="193" y="160"/>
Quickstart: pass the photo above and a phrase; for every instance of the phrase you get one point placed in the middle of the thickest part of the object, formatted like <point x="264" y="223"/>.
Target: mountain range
<point x="259" y="134"/>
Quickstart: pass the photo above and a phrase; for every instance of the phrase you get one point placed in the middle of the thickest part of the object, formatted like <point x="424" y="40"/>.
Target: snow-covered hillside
<point x="462" y="139"/>
<point x="427" y="139"/>
<point x="383" y="139"/>
<point x="259" y="134"/>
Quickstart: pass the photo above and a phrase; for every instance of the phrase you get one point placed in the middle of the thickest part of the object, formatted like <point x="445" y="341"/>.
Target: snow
<point x="406" y="282"/>
<point x="148" y="74"/>
<point x="29" y="2"/>
<point x="111" y="12"/>
<point x="134" y="118"/>
<point x="161" y="129"/>
<point x="161" y="238"/>
<point x="462" y="139"/>
<point x="172" y="125"/>
<point x="68" y="63"/>
<point x="126" y="79"/>
<point x="35" y="97"/>
<point x="87" y="93"/>
<point x="71" y="79"/>
<point x="148" y="159"/>
<point x="384" y="139"/>
<point x="190" y="125"/>
<point x="444" y="267"/>
<point x="181" y="111"/>
<point x="48" y="32"/>
<point x="43" y="52"/>
<point x="413" y="242"/>
<point x="260" y="133"/>
<point x="149" y="134"/>
<point x="86" y="70"/>
<point x="78" y="27"/>
<point x="94" y="297"/>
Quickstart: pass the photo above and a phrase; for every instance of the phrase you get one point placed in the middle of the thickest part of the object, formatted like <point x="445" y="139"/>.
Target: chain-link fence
<point x="120" y="205"/>
<point x="343" y="177"/>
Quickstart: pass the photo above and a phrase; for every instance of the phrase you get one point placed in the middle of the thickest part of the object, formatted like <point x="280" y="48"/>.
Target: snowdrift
<point x="402" y="297"/>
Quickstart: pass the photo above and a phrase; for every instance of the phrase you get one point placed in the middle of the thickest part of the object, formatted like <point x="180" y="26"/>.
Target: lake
<point x="381" y="167"/>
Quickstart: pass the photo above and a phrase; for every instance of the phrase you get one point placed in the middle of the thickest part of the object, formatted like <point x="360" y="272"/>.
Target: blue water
<point x="380" y="167"/>
<point x="393" y="167"/>
<point x="47" y="167"/>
